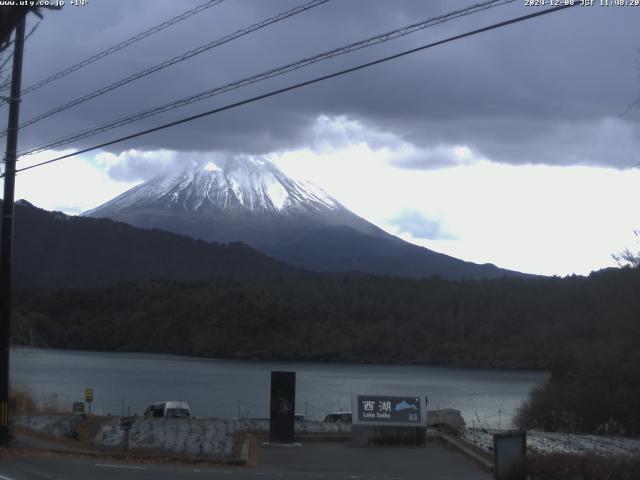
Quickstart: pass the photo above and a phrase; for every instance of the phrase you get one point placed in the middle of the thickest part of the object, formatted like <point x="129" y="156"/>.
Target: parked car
<point x="170" y="409"/>
<point x="334" y="417"/>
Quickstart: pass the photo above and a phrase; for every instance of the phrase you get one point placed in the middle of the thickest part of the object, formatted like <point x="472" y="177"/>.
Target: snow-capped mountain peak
<point x="243" y="183"/>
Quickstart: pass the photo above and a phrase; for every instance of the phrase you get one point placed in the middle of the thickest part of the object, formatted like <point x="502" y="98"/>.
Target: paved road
<point x="327" y="461"/>
<point x="340" y="461"/>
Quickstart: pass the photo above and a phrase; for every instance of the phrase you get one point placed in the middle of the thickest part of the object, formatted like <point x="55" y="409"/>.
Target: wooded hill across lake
<point x="584" y="329"/>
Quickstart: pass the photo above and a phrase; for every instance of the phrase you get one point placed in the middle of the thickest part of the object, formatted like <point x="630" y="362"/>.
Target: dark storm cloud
<point x="440" y="156"/>
<point x="544" y="91"/>
<point x="417" y="224"/>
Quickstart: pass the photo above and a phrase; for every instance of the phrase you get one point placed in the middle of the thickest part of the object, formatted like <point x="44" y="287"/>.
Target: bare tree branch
<point x="9" y="18"/>
<point x="627" y="258"/>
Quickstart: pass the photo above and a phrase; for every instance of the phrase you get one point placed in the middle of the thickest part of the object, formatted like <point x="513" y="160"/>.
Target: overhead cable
<point x="121" y="45"/>
<point x="180" y="58"/>
<point x="304" y="84"/>
<point x="305" y="62"/>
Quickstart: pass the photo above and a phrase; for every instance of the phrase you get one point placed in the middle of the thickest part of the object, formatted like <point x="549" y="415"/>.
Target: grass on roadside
<point x="23" y="402"/>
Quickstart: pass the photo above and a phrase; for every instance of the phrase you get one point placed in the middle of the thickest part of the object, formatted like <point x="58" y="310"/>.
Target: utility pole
<point x="6" y="246"/>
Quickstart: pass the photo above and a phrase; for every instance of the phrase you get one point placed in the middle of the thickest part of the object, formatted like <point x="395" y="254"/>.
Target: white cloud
<point x="539" y="219"/>
<point x="135" y="165"/>
<point x="72" y="185"/>
<point x="332" y="134"/>
<point x="415" y="223"/>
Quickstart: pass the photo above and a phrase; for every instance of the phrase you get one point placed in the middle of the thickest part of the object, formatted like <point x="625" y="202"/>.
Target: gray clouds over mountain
<point x="549" y="90"/>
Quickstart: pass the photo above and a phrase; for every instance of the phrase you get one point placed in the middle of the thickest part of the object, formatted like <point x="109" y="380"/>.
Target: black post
<point x="283" y="407"/>
<point x="6" y="246"/>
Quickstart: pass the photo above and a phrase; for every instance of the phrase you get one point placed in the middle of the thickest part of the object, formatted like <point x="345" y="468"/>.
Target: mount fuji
<point x="253" y="201"/>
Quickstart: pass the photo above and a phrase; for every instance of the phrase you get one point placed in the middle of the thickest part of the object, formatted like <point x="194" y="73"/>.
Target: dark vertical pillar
<point x="6" y="241"/>
<point x="283" y="407"/>
<point x="510" y="455"/>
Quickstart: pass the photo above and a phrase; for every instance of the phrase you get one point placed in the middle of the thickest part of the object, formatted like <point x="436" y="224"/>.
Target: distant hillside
<point x="54" y="249"/>
<point x="518" y="323"/>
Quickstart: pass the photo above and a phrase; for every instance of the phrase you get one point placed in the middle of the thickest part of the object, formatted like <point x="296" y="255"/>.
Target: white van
<point x="170" y="409"/>
<point x="335" y="417"/>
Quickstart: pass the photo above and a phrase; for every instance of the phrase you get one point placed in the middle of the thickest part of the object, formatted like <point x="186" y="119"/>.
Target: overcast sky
<point x="513" y="147"/>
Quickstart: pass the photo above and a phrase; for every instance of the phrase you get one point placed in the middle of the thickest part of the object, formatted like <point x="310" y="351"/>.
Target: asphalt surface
<point x="327" y="461"/>
<point x="341" y="461"/>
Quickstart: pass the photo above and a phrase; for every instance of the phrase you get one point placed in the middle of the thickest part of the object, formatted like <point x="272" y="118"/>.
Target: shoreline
<point x="278" y="359"/>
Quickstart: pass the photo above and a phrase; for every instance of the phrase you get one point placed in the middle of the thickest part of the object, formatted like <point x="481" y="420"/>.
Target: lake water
<point x="127" y="382"/>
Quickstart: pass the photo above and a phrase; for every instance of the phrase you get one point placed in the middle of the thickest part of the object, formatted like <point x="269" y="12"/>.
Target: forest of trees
<point x="585" y="330"/>
<point x="51" y="248"/>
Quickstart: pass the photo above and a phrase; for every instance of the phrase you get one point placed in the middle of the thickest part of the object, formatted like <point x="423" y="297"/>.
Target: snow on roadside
<point x="54" y="425"/>
<point x="549" y="442"/>
<point x="209" y="437"/>
<point x="306" y="426"/>
<point x="195" y="436"/>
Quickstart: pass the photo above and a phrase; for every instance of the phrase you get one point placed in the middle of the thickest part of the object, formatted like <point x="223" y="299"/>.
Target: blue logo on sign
<point x="403" y="405"/>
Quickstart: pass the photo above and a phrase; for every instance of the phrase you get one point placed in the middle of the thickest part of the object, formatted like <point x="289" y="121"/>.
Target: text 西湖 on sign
<point x="389" y="410"/>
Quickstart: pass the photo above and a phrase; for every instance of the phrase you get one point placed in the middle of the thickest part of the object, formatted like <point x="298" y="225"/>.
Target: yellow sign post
<point x="88" y="397"/>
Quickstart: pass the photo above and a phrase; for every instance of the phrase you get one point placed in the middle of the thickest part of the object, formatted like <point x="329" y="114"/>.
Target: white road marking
<point x="2" y="477"/>
<point x="131" y="467"/>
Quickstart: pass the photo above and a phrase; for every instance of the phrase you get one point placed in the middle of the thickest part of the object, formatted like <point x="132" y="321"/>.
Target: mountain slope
<point x="248" y="200"/>
<point x="242" y="200"/>
<point x="52" y="249"/>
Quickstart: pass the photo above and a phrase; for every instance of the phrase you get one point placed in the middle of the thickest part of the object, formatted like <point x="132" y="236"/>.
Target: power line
<point x="306" y="83"/>
<point x="9" y="58"/>
<point x="380" y="38"/>
<point x="121" y="45"/>
<point x="180" y="58"/>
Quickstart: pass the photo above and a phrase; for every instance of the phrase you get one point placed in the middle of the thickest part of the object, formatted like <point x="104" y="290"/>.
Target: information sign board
<point x="405" y="411"/>
<point x="78" y="408"/>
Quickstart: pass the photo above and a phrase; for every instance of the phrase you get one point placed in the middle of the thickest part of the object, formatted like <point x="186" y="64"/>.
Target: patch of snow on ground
<point x="210" y="437"/>
<point x="196" y="436"/>
<point x="550" y="442"/>
<point x="55" y="425"/>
